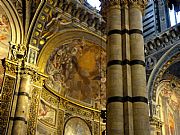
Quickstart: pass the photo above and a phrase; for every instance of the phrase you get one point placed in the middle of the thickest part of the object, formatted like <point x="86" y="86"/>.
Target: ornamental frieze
<point x="50" y="98"/>
<point x="33" y="111"/>
<point x="6" y="102"/>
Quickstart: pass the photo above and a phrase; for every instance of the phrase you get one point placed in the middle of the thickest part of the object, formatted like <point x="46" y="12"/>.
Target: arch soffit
<point x="63" y="37"/>
<point x="14" y="19"/>
<point x="170" y="57"/>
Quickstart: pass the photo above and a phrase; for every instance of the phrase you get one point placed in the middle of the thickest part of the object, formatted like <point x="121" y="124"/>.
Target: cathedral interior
<point x="68" y="68"/>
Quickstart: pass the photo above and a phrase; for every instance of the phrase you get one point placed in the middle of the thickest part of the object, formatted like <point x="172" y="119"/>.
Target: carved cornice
<point x="138" y="3"/>
<point x="117" y="3"/>
<point x="165" y="40"/>
<point x="65" y="14"/>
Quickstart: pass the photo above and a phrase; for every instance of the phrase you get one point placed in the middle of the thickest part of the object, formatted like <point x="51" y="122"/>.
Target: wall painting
<point x="76" y="126"/>
<point x="77" y="71"/>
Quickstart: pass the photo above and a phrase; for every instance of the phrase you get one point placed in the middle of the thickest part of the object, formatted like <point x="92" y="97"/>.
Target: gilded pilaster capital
<point x="36" y="77"/>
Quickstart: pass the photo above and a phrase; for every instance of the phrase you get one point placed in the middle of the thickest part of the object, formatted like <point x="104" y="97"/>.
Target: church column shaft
<point x="127" y="90"/>
<point x="140" y="101"/>
<point x="115" y="124"/>
<point x="20" y="118"/>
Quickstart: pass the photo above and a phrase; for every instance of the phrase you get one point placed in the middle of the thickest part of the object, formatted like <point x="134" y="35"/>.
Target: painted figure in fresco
<point x="75" y="70"/>
<point x="54" y="25"/>
<point x="46" y="113"/>
<point x="4" y="27"/>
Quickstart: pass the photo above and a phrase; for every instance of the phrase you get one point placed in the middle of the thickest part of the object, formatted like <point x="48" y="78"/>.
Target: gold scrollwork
<point x="60" y="122"/>
<point x="6" y="100"/>
<point x="33" y="111"/>
<point x="48" y="97"/>
<point x="10" y="68"/>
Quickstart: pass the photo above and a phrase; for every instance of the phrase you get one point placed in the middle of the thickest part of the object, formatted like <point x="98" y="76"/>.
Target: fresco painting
<point x="46" y="113"/>
<point x="77" y="70"/>
<point x="76" y="126"/>
<point x="5" y="37"/>
<point x="5" y="34"/>
<point x="44" y="130"/>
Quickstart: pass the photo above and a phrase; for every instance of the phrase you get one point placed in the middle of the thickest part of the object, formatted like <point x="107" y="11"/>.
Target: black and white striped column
<point x="127" y="108"/>
<point x="115" y="124"/>
<point x="138" y="74"/>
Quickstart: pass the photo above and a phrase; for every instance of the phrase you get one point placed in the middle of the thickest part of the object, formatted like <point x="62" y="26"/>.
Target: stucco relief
<point x="77" y="70"/>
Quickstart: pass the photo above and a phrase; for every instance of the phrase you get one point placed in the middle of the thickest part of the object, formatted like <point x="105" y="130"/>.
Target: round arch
<point x="156" y="75"/>
<point x="14" y="19"/>
<point x="63" y="37"/>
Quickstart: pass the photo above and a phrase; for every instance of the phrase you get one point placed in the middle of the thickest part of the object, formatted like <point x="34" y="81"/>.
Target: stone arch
<point x="156" y="75"/>
<point x="14" y="19"/>
<point x="61" y="37"/>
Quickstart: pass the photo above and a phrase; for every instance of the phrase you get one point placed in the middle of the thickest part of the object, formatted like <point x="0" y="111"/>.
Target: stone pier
<point x="127" y="103"/>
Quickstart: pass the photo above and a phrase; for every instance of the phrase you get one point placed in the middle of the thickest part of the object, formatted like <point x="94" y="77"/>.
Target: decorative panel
<point x="5" y="102"/>
<point x="33" y="112"/>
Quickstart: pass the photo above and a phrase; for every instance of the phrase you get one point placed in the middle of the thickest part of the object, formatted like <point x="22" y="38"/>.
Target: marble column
<point x="20" y="118"/>
<point x="138" y="74"/>
<point x="115" y="124"/>
<point x="127" y="103"/>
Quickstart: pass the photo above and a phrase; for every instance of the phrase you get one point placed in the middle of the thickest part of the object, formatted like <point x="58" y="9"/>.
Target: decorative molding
<point x="60" y="122"/>
<point x="66" y="14"/>
<point x="163" y="41"/>
<point x="6" y="98"/>
<point x="33" y="111"/>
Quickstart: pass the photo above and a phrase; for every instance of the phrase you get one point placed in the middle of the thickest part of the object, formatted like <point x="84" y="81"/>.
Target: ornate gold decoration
<point x="74" y="109"/>
<point x="156" y="122"/>
<point x="96" y="128"/>
<point x="33" y="112"/>
<point x="11" y="67"/>
<point x="6" y="100"/>
<point x="50" y="98"/>
<point x="17" y="51"/>
<point x="60" y="122"/>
